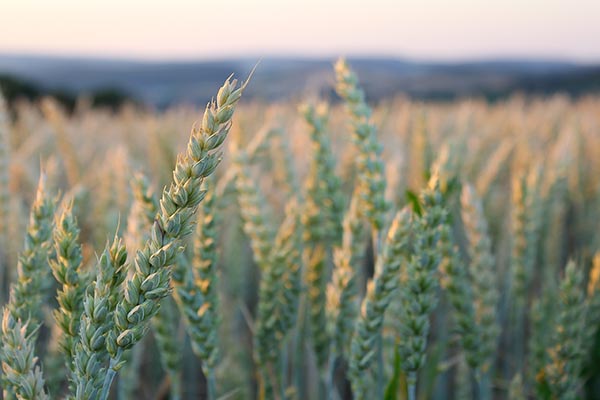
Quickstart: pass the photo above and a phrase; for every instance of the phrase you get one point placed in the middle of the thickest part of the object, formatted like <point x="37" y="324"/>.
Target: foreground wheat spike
<point x="418" y="293"/>
<point x="28" y="292"/>
<point x="150" y="280"/>
<point x="324" y="200"/>
<point x="22" y="376"/>
<point x="66" y="271"/>
<point x="371" y="171"/>
<point x="342" y="307"/>
<point x="379" y="291"/>
<point x="565" y="353"/>
<point x="97" y="320"/>
<point x="279" y="294"/>
<point x="482" y="275"/>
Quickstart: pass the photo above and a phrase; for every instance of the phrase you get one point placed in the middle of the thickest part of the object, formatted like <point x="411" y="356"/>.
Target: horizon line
<point x="300" y="56"/>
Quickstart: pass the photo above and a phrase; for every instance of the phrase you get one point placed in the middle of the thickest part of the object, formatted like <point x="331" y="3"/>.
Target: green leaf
<point x="413" y="200"/>
<point x="391" y="392"/>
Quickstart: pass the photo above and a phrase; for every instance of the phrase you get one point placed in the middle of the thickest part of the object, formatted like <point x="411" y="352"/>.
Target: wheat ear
<point x="379" y="291"/>
<point x="419" y="285"/>
<point x="324" y="207"/>
<point x="197" y="295"/>
<point x="22" y="376"/>
<point x="97" y="320"/>
<point x="279" y="294"/>
<point x="342" y="307"/>
<point x="27" y="293"/>
<point x="371" y="171"/>
<point x="565" y="354"/>
<point x="66" y="270"/>
<point x="150" y="280"/>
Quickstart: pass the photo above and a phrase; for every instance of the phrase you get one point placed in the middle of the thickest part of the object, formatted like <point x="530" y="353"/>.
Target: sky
<point x="186" y="29"/>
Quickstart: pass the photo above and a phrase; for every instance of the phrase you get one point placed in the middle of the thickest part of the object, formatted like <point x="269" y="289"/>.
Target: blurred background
<point x="164" y="53"/>
<point x="499" y="93"/>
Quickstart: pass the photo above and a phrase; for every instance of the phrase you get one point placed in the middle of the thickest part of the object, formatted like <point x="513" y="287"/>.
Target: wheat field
<point x="301" y="250"/>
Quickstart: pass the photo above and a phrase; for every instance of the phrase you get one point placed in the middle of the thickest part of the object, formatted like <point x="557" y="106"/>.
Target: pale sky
<point x="186" y="29"/>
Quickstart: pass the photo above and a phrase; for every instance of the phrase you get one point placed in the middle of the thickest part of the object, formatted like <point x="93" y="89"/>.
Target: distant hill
<point x="160" y="84"/>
